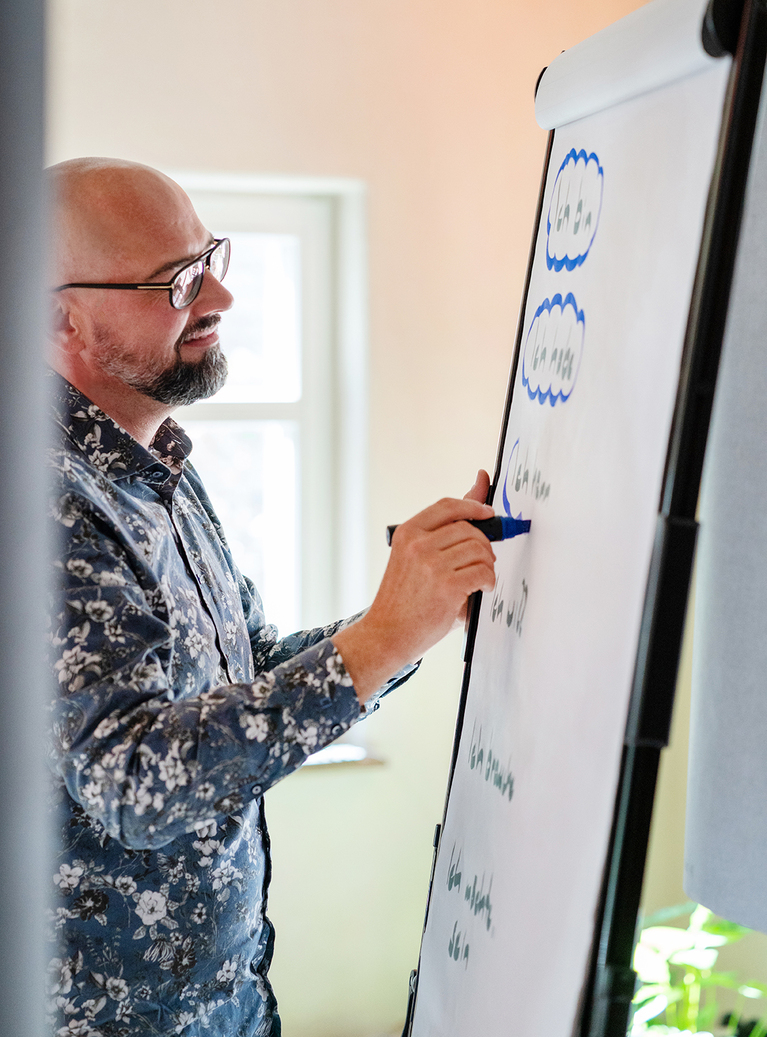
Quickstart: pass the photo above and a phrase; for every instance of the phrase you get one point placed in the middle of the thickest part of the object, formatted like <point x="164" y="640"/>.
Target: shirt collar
<point x="110" y="448"/>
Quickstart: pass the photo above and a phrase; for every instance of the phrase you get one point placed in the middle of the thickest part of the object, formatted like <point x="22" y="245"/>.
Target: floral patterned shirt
<point x="176" y="708"/>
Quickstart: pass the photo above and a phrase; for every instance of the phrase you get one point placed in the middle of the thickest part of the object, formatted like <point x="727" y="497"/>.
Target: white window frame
<point x="334" y="407"/>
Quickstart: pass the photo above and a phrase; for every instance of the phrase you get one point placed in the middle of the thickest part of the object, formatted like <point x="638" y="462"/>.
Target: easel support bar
<point x="660" y="638"/>
<point x="614" y="991"/>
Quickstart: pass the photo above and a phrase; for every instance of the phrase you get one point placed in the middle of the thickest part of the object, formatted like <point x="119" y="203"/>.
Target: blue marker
<point x="497" y="528"/>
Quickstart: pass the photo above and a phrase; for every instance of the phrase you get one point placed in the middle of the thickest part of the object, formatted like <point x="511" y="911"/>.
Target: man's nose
<point x="213" y="297"/>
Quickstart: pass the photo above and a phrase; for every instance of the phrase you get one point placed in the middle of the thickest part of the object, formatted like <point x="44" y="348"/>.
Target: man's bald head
<point x="104" y="213"/>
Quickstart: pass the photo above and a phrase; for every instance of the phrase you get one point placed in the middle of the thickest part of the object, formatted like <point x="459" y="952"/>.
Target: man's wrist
<point x="367" y="656"/>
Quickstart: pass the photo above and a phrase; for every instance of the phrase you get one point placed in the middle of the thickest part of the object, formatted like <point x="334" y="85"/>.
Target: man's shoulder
<point x="71" y="467"/>
<point x="85" y="439"/>
<point x="78" y="491"/>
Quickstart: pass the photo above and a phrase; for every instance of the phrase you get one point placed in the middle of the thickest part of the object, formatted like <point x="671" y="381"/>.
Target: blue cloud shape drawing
<point x="576" y="202"/>
<point x="509" y="470"/>
<point x="553" y="350"/>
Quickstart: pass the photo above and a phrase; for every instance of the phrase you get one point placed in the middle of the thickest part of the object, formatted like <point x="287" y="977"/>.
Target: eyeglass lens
<point x="187" y="282"/>
<point x="219" y="260"/>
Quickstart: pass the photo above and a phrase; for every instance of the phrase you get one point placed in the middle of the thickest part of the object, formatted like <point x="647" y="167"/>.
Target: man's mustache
<point x="204" y="324"/>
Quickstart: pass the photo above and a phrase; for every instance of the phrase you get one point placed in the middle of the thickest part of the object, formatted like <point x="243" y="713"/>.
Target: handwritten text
<point x="576" y="202"/>
<point x="476" y="899"/>
<point x="489" y="766"/>
<point x="523" y="478"/>
<point x="553" y="348"/>
<point x="513" y="612"/>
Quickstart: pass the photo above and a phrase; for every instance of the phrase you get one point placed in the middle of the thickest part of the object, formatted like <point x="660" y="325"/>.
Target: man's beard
<point x="178" y="385"/>
<point x="185" y="382"/>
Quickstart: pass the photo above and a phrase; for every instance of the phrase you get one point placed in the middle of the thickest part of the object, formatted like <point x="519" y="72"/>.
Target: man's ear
<point x="64" y="333"/>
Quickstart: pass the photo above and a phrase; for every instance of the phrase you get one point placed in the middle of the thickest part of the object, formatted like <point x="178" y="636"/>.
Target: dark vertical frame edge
<point x="610" y="985"/>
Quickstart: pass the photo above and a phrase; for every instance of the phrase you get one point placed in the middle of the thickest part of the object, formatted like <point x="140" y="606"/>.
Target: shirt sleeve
<point x="269" y="651"/>
<point x="149" y="764"/>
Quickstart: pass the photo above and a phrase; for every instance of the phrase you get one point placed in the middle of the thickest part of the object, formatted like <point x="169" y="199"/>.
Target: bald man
<point x="178" y="706"/>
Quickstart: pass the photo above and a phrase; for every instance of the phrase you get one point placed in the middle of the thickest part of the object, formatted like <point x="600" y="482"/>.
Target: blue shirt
<point x="177" y="707"/>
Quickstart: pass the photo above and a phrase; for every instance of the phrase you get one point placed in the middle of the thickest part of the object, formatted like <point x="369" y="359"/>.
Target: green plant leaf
<point x="665" y="914"/>
<point x="731" y="931"/>
<point x="651" y="1009"/>
<point x="753" y="989"/>
<point x="667" y="939"/>
<point x="729" y="980"/>
<point x="648" y="991"/>
<point x="697" y="957"/>
<point x="650" y="966"/>
<point x="760" y="1029"/>
<point x="699" y="917"/>
<point x="707" y="1016"/>
<point x="655" y="1029"/>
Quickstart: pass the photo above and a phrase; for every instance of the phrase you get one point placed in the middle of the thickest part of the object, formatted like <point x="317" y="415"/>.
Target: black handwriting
<point x="489" y="765"/>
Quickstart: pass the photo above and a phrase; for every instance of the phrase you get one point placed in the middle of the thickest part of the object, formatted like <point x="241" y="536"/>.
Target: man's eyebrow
<point x="167" y="267"/>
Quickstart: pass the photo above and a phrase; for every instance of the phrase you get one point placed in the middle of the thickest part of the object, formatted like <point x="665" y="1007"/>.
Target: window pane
<point x="261" y="334"/>
<point x="250" y="470"/>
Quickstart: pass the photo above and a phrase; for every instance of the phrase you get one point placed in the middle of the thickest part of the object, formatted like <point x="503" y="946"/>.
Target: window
<point x="282" y="447"/>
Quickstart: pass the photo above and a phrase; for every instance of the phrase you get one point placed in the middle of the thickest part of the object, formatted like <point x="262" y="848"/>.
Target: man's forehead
<point x="133" y="202"/>
<point x="126" y="217"/>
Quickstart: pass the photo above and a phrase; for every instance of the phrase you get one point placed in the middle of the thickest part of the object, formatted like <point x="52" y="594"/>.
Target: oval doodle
<point x="553" y="350"/>
<point x="576" y="203"/>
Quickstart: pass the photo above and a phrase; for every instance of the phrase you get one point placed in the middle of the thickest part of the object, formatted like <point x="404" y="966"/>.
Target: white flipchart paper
<point x="523" y="846"/>
<point x="649" y="48"/>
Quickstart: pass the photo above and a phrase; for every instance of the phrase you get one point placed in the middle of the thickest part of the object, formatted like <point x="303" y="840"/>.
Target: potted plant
<point x="678" y="978"/>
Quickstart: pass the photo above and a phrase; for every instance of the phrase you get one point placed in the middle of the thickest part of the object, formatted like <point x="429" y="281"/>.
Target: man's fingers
<point x="467" y="581"/>
<point x="475" y="557"/>
<point x="476" y="577"/>
<point x="471" y="549"/>
<point x="450" y="509"/>
<point x="453" y="545"/>
<point x="481" y="487"/>
<point x="453" y="533"/>
<point x="468" y="565"/>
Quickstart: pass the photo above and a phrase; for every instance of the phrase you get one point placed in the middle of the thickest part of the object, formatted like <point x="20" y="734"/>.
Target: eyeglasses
<point x="186" y="285"/>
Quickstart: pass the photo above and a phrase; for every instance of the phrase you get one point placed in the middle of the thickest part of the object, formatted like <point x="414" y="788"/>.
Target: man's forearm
<point x="366" y="658"/>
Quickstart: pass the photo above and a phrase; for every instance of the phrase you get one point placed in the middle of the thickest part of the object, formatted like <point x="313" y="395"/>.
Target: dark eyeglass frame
<point x="196" y="284"/>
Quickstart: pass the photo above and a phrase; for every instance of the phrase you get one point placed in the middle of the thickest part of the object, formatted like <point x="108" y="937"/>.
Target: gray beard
<point x="180" y="384"/>
<point x="185" y="382"/>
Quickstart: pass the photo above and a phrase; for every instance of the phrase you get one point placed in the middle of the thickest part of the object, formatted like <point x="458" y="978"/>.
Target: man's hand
<point x="437" y="560"/>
